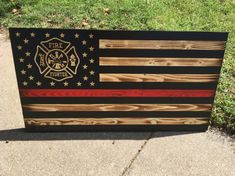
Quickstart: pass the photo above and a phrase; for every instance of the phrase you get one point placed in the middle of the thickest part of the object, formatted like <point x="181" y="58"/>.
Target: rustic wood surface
<point x="162" y="44"/>
<point x="116" y="121"/>
<point x="109" y="77"/>
<point x="151" y="61"/>
<point x="117" y="107"/>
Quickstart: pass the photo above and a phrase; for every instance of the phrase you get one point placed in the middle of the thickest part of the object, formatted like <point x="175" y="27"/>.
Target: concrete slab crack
<point x="137" y="154"/>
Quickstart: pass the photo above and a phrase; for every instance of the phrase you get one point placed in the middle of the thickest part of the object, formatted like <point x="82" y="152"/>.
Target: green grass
<point x="180" y="15"/>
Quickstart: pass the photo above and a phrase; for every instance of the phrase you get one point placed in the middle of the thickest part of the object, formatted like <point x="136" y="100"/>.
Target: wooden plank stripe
<point x="116" y="121"/>
<point x="162" y="44"/>
<point x="115" y="93"/>
<point x="117" y="107"/>
<point x="109" y="77"/>
<point x="158" y="61"/>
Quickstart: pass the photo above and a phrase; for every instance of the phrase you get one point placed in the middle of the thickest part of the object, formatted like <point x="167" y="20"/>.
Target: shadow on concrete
<point x="21" y="135"/>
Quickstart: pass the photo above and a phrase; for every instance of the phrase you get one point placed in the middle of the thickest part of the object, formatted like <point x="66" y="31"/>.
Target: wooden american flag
<point x="95" y="80"/>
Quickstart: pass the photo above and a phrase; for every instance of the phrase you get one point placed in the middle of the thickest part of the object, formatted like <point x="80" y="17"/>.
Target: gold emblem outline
<point x="49" y="69"/>
<point x="63" y="53"/>
<point x="55" y="38"/>
<point x="35" y="57"/>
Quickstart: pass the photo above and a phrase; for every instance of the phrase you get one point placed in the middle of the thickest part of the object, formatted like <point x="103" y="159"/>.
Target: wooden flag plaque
<point x="98" y="80"/>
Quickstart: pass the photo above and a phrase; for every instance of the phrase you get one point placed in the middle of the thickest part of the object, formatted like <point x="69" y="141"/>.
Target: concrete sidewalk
<point x="102" y="154"/>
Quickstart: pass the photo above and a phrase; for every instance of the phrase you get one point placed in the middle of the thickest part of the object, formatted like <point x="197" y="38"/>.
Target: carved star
<point x="91" y="36"/>
<point x="19" y="47"/>
<point x="84" y="54"/>
<point x="32" y="34"/>
<point x="92" y="83"/>
<point x="31" y="77"/>
<point x="79" y="84"/>
<point x="84" y="42"/>
<point x="84" y="67"/>
<point x="29" y="66"/>
<point x="17" y="34"/>
<point x="91" y="61"/>
<point x="92" y="72"/>
<point x="66" y="83"/>
<point x="26" y="41"/>
<point x="62" y="35"/>
<point x="47" y="35"/>
<point x="27" y="53"/>
<point x="52" y="83"/>
<point x="76" y="35"/>
<point x="21" y="59"/>
<point x="91" y="48"/>
<point x="25" y="83"/>
<point x="85" y="78"/>
<point x="38" y="83"/>
<point x="23" y="72"/>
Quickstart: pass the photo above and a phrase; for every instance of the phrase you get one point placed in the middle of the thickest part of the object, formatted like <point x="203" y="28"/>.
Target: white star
<point x="92" y="72"/>
<point x="25" y="83"/>
<point x="91" y="35"/>
<point x="23" y="72"/>
<point x="21" y="59"/>
<point x="47" y="35"/>
<point x="79" y="84"/>
<point x="92" y="83"/>
<point x="91" y="61"/>
<point x="32" y="34"/>
<point x="26" y="40"/>
<point x="27" y="53"/>
<point x="85" y="78"/>
<point x="19" y="47"/>
<point x="38" y="83"/>
<point x="91" y="48"/>
<point x="66" y="83"/>
<point x="62" y="35"/>
<point x="29" y="66"/>
<point x="17" y="34"/>
<point x="76" y="35"/>
<point x="52" y="83"/>
<point x="84" y="67"/>
<point x="84" y="54"/>
<point x="84" y="42"/>
<point x="31" y="77"/>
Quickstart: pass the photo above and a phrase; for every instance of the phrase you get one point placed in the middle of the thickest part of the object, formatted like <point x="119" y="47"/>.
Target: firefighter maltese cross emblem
<point x="56" y="59"/>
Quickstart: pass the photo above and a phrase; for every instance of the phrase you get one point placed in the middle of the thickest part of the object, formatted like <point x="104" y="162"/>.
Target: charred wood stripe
<point x="161" y="53"/>
<point x="118" y="100"/>
<point x="107" y="114"/>
<point x="108" y="77"/>
<point x="115" y="93"/>
<point x="162" y="35"/>
<point x="161" y="44"/>
<point x="117" y="107"/>
<point x="116" y="121"/>
<point x="154" y="61"/>
<point x="125" y="128"/>
<point x="159" y="70"/>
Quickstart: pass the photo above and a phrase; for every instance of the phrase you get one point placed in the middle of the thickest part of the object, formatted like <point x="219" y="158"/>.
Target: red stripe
<point x="115" y="93"/>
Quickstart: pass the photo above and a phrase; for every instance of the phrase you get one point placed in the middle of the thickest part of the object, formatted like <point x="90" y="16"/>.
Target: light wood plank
<point x="142" y="61"/>
<point x="108" y="77"/>
<point x="161" y="44"/>
<point x="117" y="107"/>
<point x="116" y="121"/>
